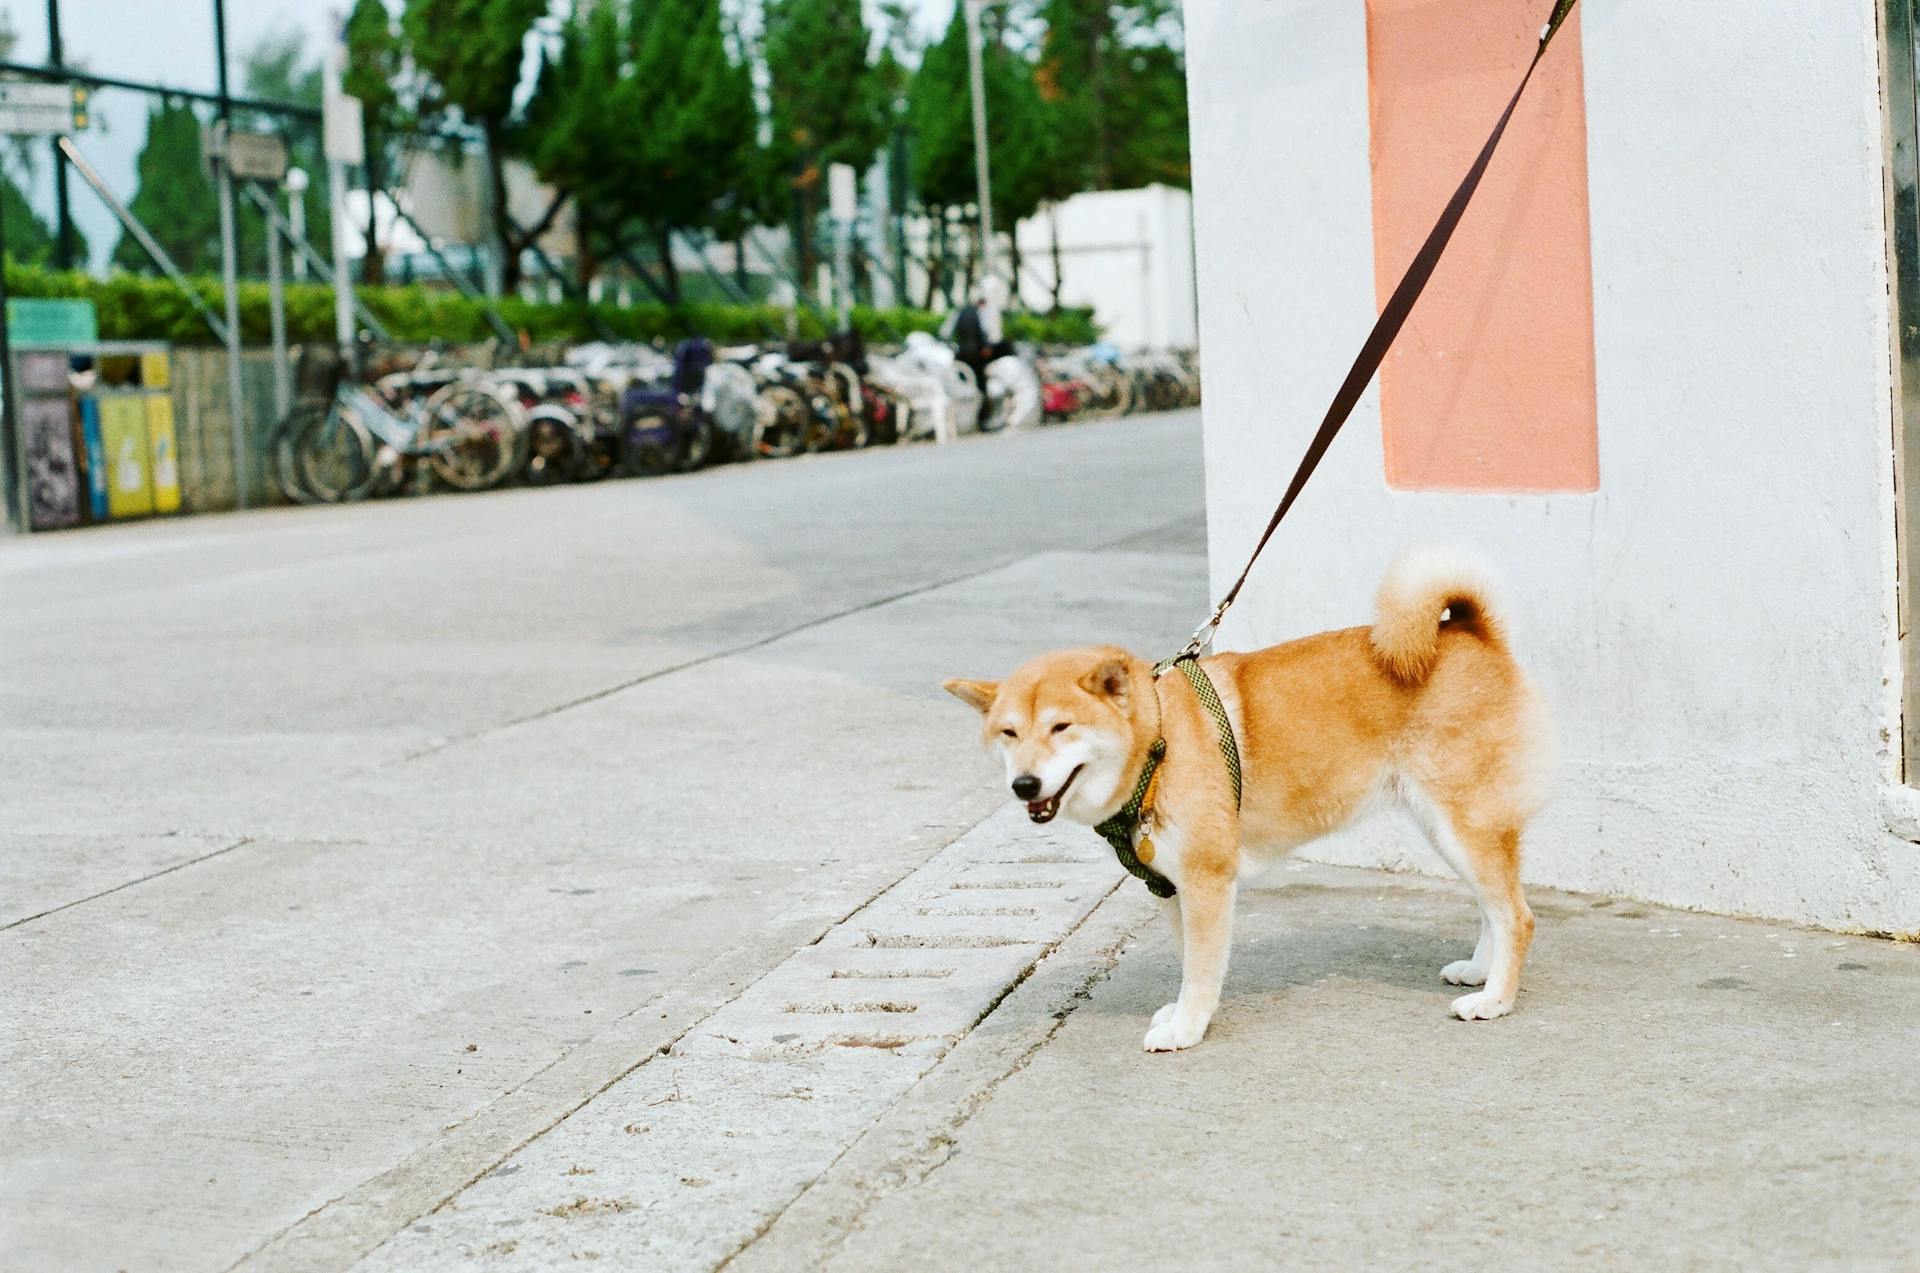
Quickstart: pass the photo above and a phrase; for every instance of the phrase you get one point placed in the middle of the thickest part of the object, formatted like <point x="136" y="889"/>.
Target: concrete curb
<point x="916" y="1135"/>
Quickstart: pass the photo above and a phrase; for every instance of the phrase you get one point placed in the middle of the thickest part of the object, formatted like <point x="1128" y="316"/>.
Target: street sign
<point x="256" y="156"/>
<point x="54" y="323"/>
<point x="843" y="196"/>
<point x="41" y="110"/>
<point x="342" y="137"/>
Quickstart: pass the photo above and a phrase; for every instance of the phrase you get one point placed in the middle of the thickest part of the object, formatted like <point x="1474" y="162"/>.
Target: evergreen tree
<point x="1116" y="79"/>
<point x="828" y="106"/>
<point x="678" y="169"/>
<point x="472" y="51"/>
<point x="1020" y="130"/>
<point x="30" y="240"/>
<point x="175" y="199"/>
<point x="568" y="130"/>
<point x="373" y="68"/>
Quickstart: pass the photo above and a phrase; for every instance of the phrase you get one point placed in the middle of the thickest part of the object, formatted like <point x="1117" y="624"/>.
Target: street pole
<point x="343" y="138"/>
<point x="977" y="74"/>
<point x="13" y="463"/>
<point x="843" y="201"/>
<point x="63" y="211"/>
<point x="230" y="261"/>
<point x="277" y="300"/>
<point x="230" y="284"/>
<point x="297" y="217"/>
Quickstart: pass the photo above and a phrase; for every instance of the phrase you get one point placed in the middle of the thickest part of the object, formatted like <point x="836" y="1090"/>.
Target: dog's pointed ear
<point x="1109" y="680"/>
<point x="975" y="694"/>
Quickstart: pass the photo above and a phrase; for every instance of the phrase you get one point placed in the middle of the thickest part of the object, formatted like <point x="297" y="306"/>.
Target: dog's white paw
<point x="1482" y="1005"/>
<point x="1165" y="1014"/>
<point x="1173" y="1034"/>
<point x="1464" y="972"/>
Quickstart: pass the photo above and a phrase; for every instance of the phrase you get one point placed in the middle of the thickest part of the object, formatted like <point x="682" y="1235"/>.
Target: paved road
<point x="347" y="849"/>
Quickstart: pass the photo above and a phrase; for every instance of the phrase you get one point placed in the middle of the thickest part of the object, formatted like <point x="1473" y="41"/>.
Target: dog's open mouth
<point x="1043" y="810"/>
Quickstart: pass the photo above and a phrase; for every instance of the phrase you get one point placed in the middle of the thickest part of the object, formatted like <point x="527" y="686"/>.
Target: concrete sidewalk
<point x="1675" y="1091"/>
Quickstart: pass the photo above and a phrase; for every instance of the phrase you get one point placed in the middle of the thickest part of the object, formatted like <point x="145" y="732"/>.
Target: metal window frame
<point x="1900" y="75"/>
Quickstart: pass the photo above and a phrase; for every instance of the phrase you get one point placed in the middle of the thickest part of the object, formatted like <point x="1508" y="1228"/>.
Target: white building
<point x="1655" y="380"/>
<point x="1126" y="254"/>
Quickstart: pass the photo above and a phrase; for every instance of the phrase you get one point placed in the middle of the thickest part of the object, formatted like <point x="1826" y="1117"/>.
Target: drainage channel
<point x="682" y="1162"/>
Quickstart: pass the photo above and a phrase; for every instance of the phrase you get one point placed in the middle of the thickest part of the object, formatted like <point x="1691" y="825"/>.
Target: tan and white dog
<point x="1425" y="710"/>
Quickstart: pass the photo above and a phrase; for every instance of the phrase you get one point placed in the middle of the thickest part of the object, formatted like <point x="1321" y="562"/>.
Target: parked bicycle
<point x="367" y="438"/>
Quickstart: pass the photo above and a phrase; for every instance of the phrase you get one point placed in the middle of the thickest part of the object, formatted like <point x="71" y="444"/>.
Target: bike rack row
<point x="414" y="423"/>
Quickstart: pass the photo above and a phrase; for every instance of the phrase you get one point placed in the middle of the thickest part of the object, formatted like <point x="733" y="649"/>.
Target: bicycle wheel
<point x="555" y="449"/>
<point x="474" y="438"/>
<point x="647" y="444"/>
<point x="286" y="465"/>
<point x="325" y="456"/>
<point x="781" y="429"/>
<point x="698" y="448"/>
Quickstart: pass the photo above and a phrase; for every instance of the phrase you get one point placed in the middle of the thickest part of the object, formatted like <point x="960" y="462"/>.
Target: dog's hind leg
<point x="1206" y="922"/>
<point x="1488" y="859"/>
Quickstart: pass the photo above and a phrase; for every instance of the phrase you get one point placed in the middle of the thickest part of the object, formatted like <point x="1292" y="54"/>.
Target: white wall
<point x="1126" y="253"/>
<point x="1715" y="624"/>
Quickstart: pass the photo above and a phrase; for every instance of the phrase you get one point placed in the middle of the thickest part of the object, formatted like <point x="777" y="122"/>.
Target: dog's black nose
<point x="1026" y="786"/>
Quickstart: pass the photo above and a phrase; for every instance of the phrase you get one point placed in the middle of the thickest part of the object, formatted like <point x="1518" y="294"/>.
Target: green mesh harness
<point x="1119" y="830"/>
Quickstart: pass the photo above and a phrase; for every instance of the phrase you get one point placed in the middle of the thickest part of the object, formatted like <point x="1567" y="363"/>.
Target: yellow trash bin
<point x="164" y="472"/>
<point x="123" y="436"/>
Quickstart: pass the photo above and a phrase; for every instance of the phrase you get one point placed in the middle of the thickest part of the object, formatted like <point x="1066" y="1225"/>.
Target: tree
<point x="679" y="169"/>
<point x="30" y="240"/>
<point x="567" y="130"/>
<point x="472" y="51"/>
<point x="1116" y="77"/>
<point x="175" y="200"/>
<point x="1020" y="130"/>
<point x="828" y="106"/>
<point x="373" y="68"/>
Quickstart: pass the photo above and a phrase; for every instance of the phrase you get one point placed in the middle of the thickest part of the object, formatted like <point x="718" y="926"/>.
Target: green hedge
<point x="140" y="307"/>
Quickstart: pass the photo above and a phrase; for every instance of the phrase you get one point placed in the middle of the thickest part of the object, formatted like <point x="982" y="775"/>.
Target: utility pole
<point x="230" y="263"/>
<point x="344" y="141"/>
<point x="63" y="212"/>
<point x="977" y="73"/>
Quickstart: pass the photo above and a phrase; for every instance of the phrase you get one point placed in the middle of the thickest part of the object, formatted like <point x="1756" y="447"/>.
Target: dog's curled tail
<point x="1427" y="589"/>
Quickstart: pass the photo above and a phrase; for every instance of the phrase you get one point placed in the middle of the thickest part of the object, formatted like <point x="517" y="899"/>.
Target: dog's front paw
<point x="1483" y="1005"/>
<point x="1464" y="972"/>
<point x="1165" y="1014"/>
<point x="1173" y="1034"/>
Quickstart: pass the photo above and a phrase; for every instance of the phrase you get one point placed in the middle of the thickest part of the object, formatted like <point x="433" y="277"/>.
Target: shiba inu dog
<point x="1425" y="710"/>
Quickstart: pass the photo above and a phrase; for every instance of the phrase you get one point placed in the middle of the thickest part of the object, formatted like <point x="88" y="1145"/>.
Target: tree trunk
<point x="502" y="221"/>
<point x="809" y="197"/>
<point x="740" y="265"/>
<point x="1013" y="260"/>
<point x="1053" y="215"/>
<point x="973" y="261"/>
<point x="936" y="256"/>
<point x="585" y="263"/>
<point x="373" y="266"/>
<point x="663" y="243"/>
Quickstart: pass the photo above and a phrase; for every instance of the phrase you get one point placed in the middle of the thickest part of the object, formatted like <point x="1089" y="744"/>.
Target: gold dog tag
<point x="1145" y="851"/>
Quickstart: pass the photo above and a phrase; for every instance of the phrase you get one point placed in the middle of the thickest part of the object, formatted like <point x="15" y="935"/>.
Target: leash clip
<point x="1202" y="637"/>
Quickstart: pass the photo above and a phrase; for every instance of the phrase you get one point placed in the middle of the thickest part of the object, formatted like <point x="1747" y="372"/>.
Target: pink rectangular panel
<point x="1491" y="385"/>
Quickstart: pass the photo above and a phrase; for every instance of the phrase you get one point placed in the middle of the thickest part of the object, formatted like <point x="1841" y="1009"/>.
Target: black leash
<point x="1393" y="316"/>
